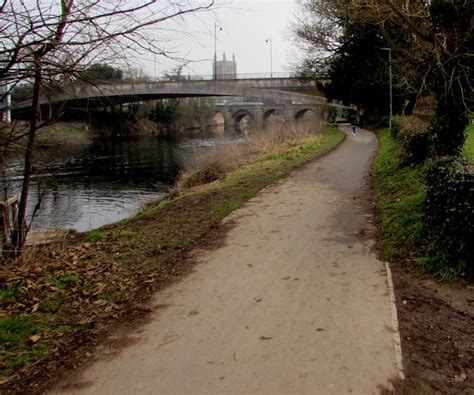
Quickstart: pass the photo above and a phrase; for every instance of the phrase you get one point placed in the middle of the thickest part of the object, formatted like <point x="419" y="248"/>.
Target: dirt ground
<point x="437" y="333"/>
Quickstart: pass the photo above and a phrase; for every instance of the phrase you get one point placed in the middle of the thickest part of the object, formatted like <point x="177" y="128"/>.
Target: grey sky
<point x="245" y="27"/>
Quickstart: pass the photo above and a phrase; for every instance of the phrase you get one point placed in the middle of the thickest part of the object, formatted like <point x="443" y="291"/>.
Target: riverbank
<point x="69" y="134"/>
<point x="60" y="303"/>
<point x="435" y="319"/>
<point x="64" y="134"/>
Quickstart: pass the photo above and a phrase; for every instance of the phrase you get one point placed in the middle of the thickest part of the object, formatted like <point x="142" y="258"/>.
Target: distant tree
<point x="135" y="74"/>
<point x="176" y="72"/>
<point x="165" y="111"/>
<point x="100" y="72"/>
<point x="359" y="73"/>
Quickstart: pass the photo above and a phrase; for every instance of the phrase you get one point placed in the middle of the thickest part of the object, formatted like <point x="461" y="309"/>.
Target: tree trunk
<point x="21" y="229"/>
<point x="449" y="124"/>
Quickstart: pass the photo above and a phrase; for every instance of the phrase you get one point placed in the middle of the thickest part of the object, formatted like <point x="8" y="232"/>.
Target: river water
<point x="101" y="183"/>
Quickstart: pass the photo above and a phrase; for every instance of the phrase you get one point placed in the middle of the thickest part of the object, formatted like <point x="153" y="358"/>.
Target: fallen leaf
<point x="34" y="339"/>
<point x="460" y="377"/>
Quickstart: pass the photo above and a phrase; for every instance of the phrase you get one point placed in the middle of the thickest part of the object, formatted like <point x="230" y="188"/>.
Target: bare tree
<point x="43" y="43"/>
<point x="318" y="26"/>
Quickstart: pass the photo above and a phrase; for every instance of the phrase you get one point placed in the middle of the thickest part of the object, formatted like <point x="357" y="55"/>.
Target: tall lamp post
<point x="269" y="40"/>
<point x="215" y="48"/>
<point x="390" y="76"/>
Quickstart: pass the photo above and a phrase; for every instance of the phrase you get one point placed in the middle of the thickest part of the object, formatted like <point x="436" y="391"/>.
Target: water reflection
<point x="89" y="186"/>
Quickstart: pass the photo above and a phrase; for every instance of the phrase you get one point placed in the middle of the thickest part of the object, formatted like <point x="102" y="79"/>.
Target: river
<point x="88" y="186"/>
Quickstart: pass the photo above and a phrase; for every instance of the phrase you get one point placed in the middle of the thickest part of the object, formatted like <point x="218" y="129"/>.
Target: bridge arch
<point x="304" y="112"/>
<point x="239" y="116"/>
<point x="273" y="116"/>
<point x="218" y="118"/>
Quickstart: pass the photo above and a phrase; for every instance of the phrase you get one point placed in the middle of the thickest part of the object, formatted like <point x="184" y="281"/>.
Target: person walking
<point x="353" y="120"/>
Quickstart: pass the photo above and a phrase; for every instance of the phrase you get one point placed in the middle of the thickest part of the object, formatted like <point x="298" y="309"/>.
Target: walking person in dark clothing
<point x="353" y="121"/>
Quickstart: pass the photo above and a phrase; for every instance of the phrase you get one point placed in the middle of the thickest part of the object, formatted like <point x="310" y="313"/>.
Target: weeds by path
<point x="399" y="194"/>
<point x="56" y="302"/>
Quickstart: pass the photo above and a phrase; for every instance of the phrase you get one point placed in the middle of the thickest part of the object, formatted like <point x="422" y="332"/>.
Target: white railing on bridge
<point x="241" y="76"/>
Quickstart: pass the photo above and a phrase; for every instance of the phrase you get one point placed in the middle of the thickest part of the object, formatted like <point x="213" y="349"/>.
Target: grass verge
<point x="399" y="194"/>
<point x="62" y="299"/>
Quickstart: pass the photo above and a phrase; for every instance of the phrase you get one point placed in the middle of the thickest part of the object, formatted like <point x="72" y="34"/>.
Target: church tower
<point x="225" y="69"/>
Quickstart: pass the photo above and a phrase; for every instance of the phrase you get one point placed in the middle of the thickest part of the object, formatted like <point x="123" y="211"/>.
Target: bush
<point x="214" y="165"/>
<point x="449" y="213"/>
<point x="412" y="133"/>
<point x="209" y="172"/>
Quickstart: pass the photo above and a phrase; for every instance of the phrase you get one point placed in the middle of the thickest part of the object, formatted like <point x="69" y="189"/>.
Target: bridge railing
<point x="231" y="76"/>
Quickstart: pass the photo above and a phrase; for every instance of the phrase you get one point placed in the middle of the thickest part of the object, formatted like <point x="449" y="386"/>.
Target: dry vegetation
<point x="217" y="162"/>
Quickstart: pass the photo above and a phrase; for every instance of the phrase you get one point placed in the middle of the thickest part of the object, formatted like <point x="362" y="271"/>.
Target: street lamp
<point x="269" y="40"/>
<point x="390" y="76"/>
<point x="215" y="49"/>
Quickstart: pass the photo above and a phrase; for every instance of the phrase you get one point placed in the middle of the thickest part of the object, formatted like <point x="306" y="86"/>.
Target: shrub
<point x="209" y="172"/>
<point x="412" y="133"/>
<point x="214" y="165"/>
<point x="449" y="213"/>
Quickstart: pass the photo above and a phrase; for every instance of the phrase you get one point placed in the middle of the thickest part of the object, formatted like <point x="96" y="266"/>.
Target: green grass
<point x="95" y="236"/>
<point x="14" y="335"/>
<point x="469" y="144"/>
<point x="399" y="193"/>
<point x="63" y="134"/>
<point x="125" y="256"/>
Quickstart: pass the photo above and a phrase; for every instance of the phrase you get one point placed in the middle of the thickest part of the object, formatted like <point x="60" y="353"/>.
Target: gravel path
<point x="295" y="302"/>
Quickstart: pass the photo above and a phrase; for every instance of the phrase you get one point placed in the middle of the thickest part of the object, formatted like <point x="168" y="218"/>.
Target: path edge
<point x="397" y="345"/>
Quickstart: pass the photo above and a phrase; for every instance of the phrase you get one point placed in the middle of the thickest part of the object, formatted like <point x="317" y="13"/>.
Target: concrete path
<point x="296" y="302"/>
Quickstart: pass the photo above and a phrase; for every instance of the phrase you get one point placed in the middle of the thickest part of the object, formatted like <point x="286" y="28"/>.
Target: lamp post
<point x="215" y="48"/>
<point x="269" y="40"/>
<point x="390" y="76"/>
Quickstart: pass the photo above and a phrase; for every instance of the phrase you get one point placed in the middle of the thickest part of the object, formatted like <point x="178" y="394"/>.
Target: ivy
<point x="449" y="213"/>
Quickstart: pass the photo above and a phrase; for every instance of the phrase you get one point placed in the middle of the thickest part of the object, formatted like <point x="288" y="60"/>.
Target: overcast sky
<point x="245" y="27"/>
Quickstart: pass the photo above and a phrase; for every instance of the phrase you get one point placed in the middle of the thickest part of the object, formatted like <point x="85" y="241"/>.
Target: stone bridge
<point x="260" y="113"/>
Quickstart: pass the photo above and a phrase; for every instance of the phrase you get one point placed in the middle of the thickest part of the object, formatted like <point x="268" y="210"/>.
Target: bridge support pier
<point x="229" y="121"/>
<point x="258" y="117"/>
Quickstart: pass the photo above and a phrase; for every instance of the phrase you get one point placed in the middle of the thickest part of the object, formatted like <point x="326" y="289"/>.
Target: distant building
<point x="224" y="69"/>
